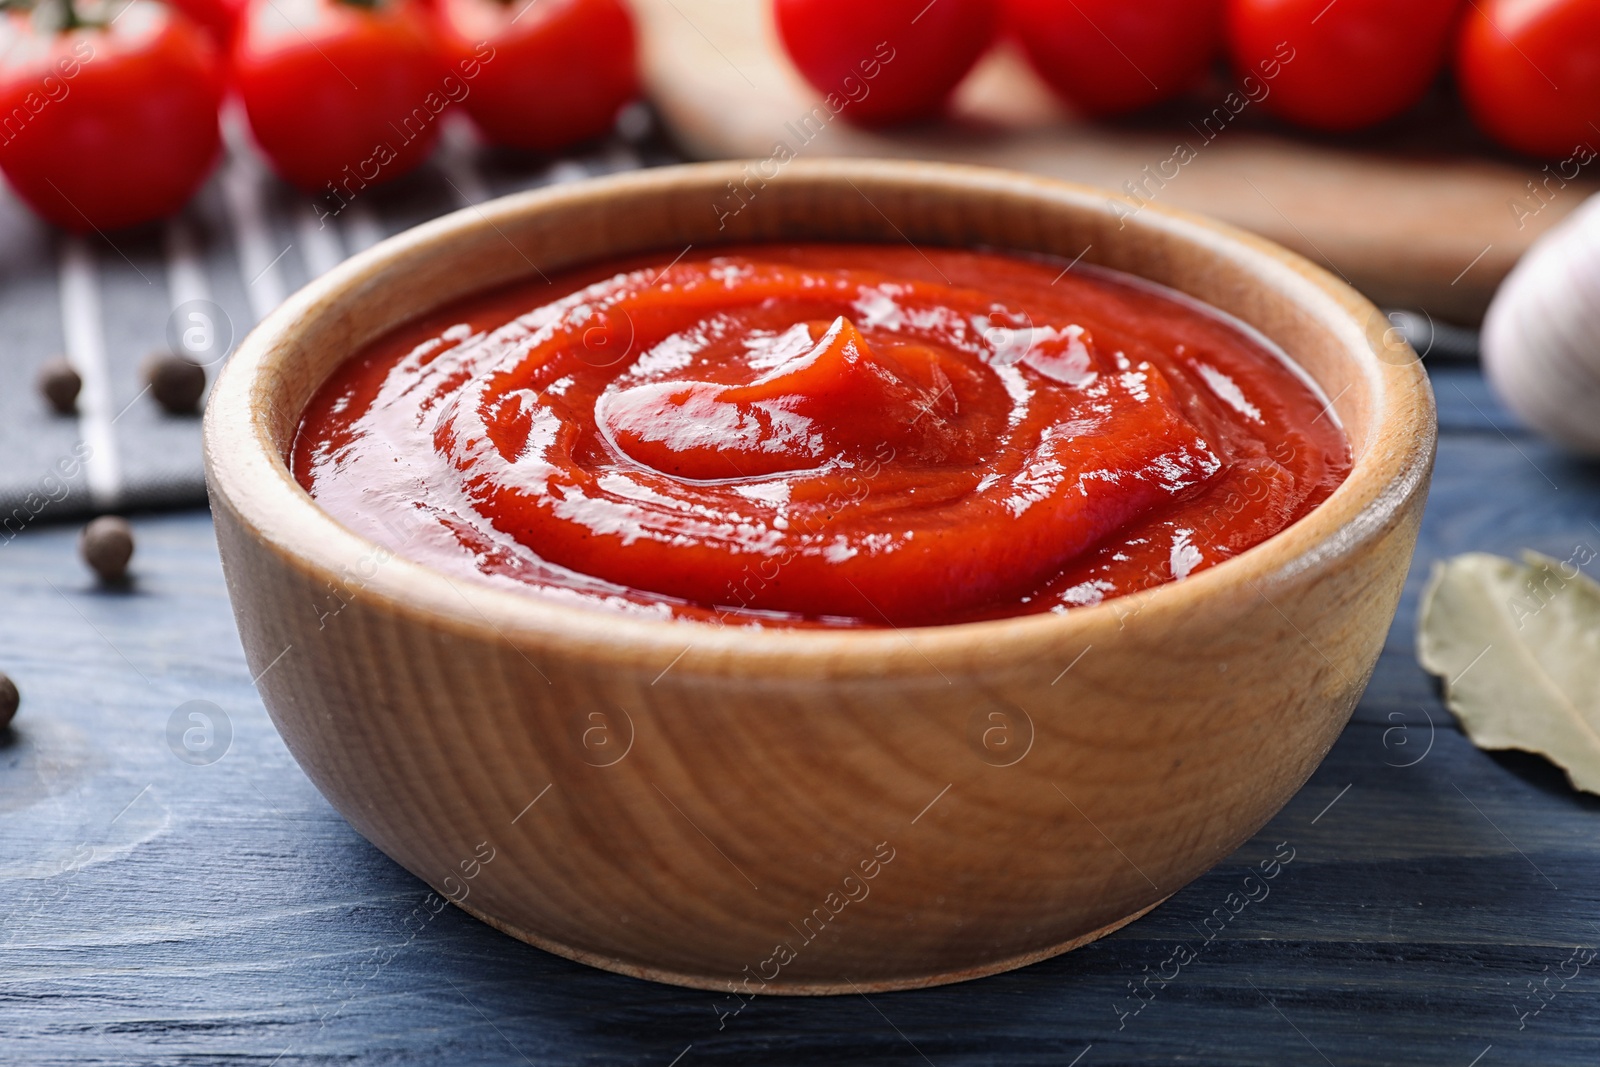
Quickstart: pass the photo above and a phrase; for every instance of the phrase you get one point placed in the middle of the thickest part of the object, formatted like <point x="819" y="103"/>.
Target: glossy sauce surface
<point x="822" y="434"/>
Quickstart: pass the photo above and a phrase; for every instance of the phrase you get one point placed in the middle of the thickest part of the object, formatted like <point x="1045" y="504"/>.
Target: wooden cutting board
<point x="1425" y="215"/>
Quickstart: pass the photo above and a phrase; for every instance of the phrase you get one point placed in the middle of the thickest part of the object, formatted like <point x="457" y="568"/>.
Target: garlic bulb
<point x="1541" y="339"/>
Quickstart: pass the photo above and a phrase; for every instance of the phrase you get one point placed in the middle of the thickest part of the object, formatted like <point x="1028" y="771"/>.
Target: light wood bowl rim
<point x="246" y="472"/>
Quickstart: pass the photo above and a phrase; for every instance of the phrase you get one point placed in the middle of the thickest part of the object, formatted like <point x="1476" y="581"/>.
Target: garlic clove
<point x="1541" y="338"/>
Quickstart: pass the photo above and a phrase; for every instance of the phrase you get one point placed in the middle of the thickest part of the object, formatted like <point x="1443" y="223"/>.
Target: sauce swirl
<point x="852" y="435"/>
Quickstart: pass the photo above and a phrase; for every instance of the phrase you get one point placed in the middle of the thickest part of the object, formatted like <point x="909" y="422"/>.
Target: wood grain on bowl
<point x="802" y="811"/>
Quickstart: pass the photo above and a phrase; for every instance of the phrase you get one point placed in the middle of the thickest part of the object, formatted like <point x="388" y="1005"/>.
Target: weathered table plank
<point x="157" y="912"/>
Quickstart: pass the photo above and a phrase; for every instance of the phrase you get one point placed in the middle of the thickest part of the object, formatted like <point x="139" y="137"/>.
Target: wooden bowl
<point x="811" y="811"/>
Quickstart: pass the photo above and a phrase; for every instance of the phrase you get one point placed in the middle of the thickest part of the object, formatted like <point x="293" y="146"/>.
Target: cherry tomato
<point x="1529" y="71"/>
<point x="341" y="95"/>
<point x="879" y="62"/>
<point x="109" y="123"/>
<point x="1345" y="64"/>
<point x="219" y="18"/>
<point x="545" y="74"/>
<point x="1108" y="57"/>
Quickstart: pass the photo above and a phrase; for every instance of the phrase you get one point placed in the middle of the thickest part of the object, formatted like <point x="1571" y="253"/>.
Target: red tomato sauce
<point x="822" y="434"/>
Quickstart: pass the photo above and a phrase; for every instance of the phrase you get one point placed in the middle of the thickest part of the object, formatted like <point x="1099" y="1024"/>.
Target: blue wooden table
<point x="172" y="899"/>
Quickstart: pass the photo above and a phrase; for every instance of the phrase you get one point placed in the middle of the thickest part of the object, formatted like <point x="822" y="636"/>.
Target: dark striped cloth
<point x="197" y="282"/>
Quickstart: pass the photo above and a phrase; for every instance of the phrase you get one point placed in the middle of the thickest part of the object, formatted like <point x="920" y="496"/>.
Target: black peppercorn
<point x="106" y="546"/>
<point x="60" y="383"/>
<point x="9" y="699"/>
<point x="175" y="382"/>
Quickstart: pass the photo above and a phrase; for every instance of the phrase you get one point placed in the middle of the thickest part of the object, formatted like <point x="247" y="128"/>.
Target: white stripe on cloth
<point x="186" y="278"/>
<point x="361" y="227"/>
<point x="320" y="247"/>
<point x="84" y="332"/>
<point x="243" y="179"/>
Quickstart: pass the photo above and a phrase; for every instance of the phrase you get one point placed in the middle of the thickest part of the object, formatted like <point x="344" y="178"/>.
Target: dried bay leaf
<point x="1518" y="647"/>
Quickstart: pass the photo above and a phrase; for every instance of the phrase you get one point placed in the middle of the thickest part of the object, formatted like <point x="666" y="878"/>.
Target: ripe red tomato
<point x="1109" y="57"/>
<point x="219" y="18"/>
<point x="1354" y="62"/>
<point x="1529" y="72"/>
<point x="542" y="75"/>
<point x="341" y="94"/>
<point x="112" y="123"/>
<point x="880" y="62"/>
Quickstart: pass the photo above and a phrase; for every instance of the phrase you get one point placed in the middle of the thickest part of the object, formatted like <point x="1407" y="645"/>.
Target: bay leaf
<point x="1518" y="648"/>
